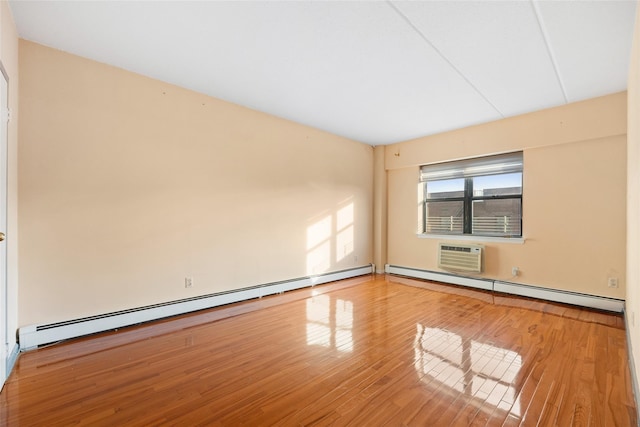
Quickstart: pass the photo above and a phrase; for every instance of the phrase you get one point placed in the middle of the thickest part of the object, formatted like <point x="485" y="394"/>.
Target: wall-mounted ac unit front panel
<point x="457" y="257"/>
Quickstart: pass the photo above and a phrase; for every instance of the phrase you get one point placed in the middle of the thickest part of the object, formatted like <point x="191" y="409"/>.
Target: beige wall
<point x="9" y="58"/>
<point x="128" y="185"/>
<point x="379" y="210"/>
<point x="574" y="191"/>
<point x="633" y="198"/>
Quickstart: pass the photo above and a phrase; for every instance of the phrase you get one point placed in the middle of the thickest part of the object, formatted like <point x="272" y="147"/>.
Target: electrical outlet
<point x="515" y="271"/>
<point x="188" y="282"/>
<point x="612" y="282"/>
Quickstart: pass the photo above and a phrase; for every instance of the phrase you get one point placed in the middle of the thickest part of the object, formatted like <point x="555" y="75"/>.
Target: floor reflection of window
<point x="344" y="325"/>
<point x="330" y="323"/>
<point x="481" y="370"/>
<point x="318" y="321"/>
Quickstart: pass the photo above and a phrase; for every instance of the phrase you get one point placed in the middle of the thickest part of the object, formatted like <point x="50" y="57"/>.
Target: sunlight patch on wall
<point x="331" y="239"/>
<point x="344" y="217"/>
<point x="318" y="232"/>
<point x="319" y="246"/>
<point x="345" y="236"/>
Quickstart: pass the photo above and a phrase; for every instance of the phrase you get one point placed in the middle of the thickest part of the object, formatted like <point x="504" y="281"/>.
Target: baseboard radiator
<point x="33" y="336"/>
<point x="632" y="364"/>
<point x="555" y="295"/>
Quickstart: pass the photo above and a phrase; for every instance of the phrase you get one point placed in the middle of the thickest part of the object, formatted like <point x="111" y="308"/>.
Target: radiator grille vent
<point x="460" y="257"/>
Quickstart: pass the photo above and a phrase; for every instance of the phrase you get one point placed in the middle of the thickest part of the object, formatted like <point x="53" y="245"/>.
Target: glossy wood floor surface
<point x="369" y="351"/>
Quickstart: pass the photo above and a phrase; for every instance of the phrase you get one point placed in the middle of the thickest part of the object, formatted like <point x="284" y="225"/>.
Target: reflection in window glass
<point x="445" y="188"/>
<point x="444" y="217"/>
<point x="497" y="217"/>
<point x="497" y="185"/>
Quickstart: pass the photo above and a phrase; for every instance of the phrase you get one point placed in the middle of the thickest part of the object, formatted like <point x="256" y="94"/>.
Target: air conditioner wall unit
<point x="457" y="257"/>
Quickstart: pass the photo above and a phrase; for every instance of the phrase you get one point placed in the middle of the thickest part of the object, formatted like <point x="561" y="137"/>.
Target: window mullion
<point x="424" y="213"/>
<point x="466" y="210"/>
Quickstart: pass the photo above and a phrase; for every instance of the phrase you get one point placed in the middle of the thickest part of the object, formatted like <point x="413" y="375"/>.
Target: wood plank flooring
<point x="369" y="351"/>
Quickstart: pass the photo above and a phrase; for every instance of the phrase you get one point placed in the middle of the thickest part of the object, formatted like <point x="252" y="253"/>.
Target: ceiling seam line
<point x="552" y="56"/>
<point x="426" y="40"/>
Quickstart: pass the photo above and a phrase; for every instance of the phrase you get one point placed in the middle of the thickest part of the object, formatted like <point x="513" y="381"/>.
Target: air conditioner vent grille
<point x="460" y="257"/>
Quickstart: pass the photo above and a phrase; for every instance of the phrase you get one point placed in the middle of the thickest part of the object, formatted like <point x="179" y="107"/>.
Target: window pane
<point x="506" y="184"/>
<point x="500" y="217"/>
<point x="444" y="217"/>
<point x="445" y="189"/>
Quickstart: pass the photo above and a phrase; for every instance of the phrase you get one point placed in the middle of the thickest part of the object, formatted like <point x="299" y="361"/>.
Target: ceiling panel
<point x="355" y="69"/>
<point x="591" y="41"/>
<point x="498" y="46"/>
<point x="377" y="72"/>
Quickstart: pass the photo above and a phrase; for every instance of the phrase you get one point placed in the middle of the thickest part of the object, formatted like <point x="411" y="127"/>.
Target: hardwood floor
<point x="368" y="351"/>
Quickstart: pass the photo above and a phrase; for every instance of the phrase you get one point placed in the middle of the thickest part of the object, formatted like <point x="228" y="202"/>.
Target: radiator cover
<point x="32" y="336"/>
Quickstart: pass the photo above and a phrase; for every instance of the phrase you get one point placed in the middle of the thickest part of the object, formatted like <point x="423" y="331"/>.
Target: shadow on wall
<point x="331" y="240"/>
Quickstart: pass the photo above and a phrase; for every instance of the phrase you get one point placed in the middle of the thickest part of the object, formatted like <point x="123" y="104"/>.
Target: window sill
<point x="471" y="238"/>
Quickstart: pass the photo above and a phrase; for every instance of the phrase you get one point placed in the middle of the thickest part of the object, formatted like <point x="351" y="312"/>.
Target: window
<point x="480" y="197"/>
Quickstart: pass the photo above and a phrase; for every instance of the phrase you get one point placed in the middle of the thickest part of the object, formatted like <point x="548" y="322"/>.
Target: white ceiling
<point x="374" y="71"/>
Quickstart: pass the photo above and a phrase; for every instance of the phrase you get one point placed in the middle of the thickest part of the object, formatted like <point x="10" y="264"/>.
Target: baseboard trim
<point x="13" y="358"/>
<point x="555" y="295"/>
<point x="33" y="336"/>
<point x="472" y="282"/>
<point x="632" y="366"/>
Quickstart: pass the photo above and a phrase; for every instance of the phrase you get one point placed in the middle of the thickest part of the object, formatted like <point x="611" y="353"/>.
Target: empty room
<point x="399" y="213"/>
